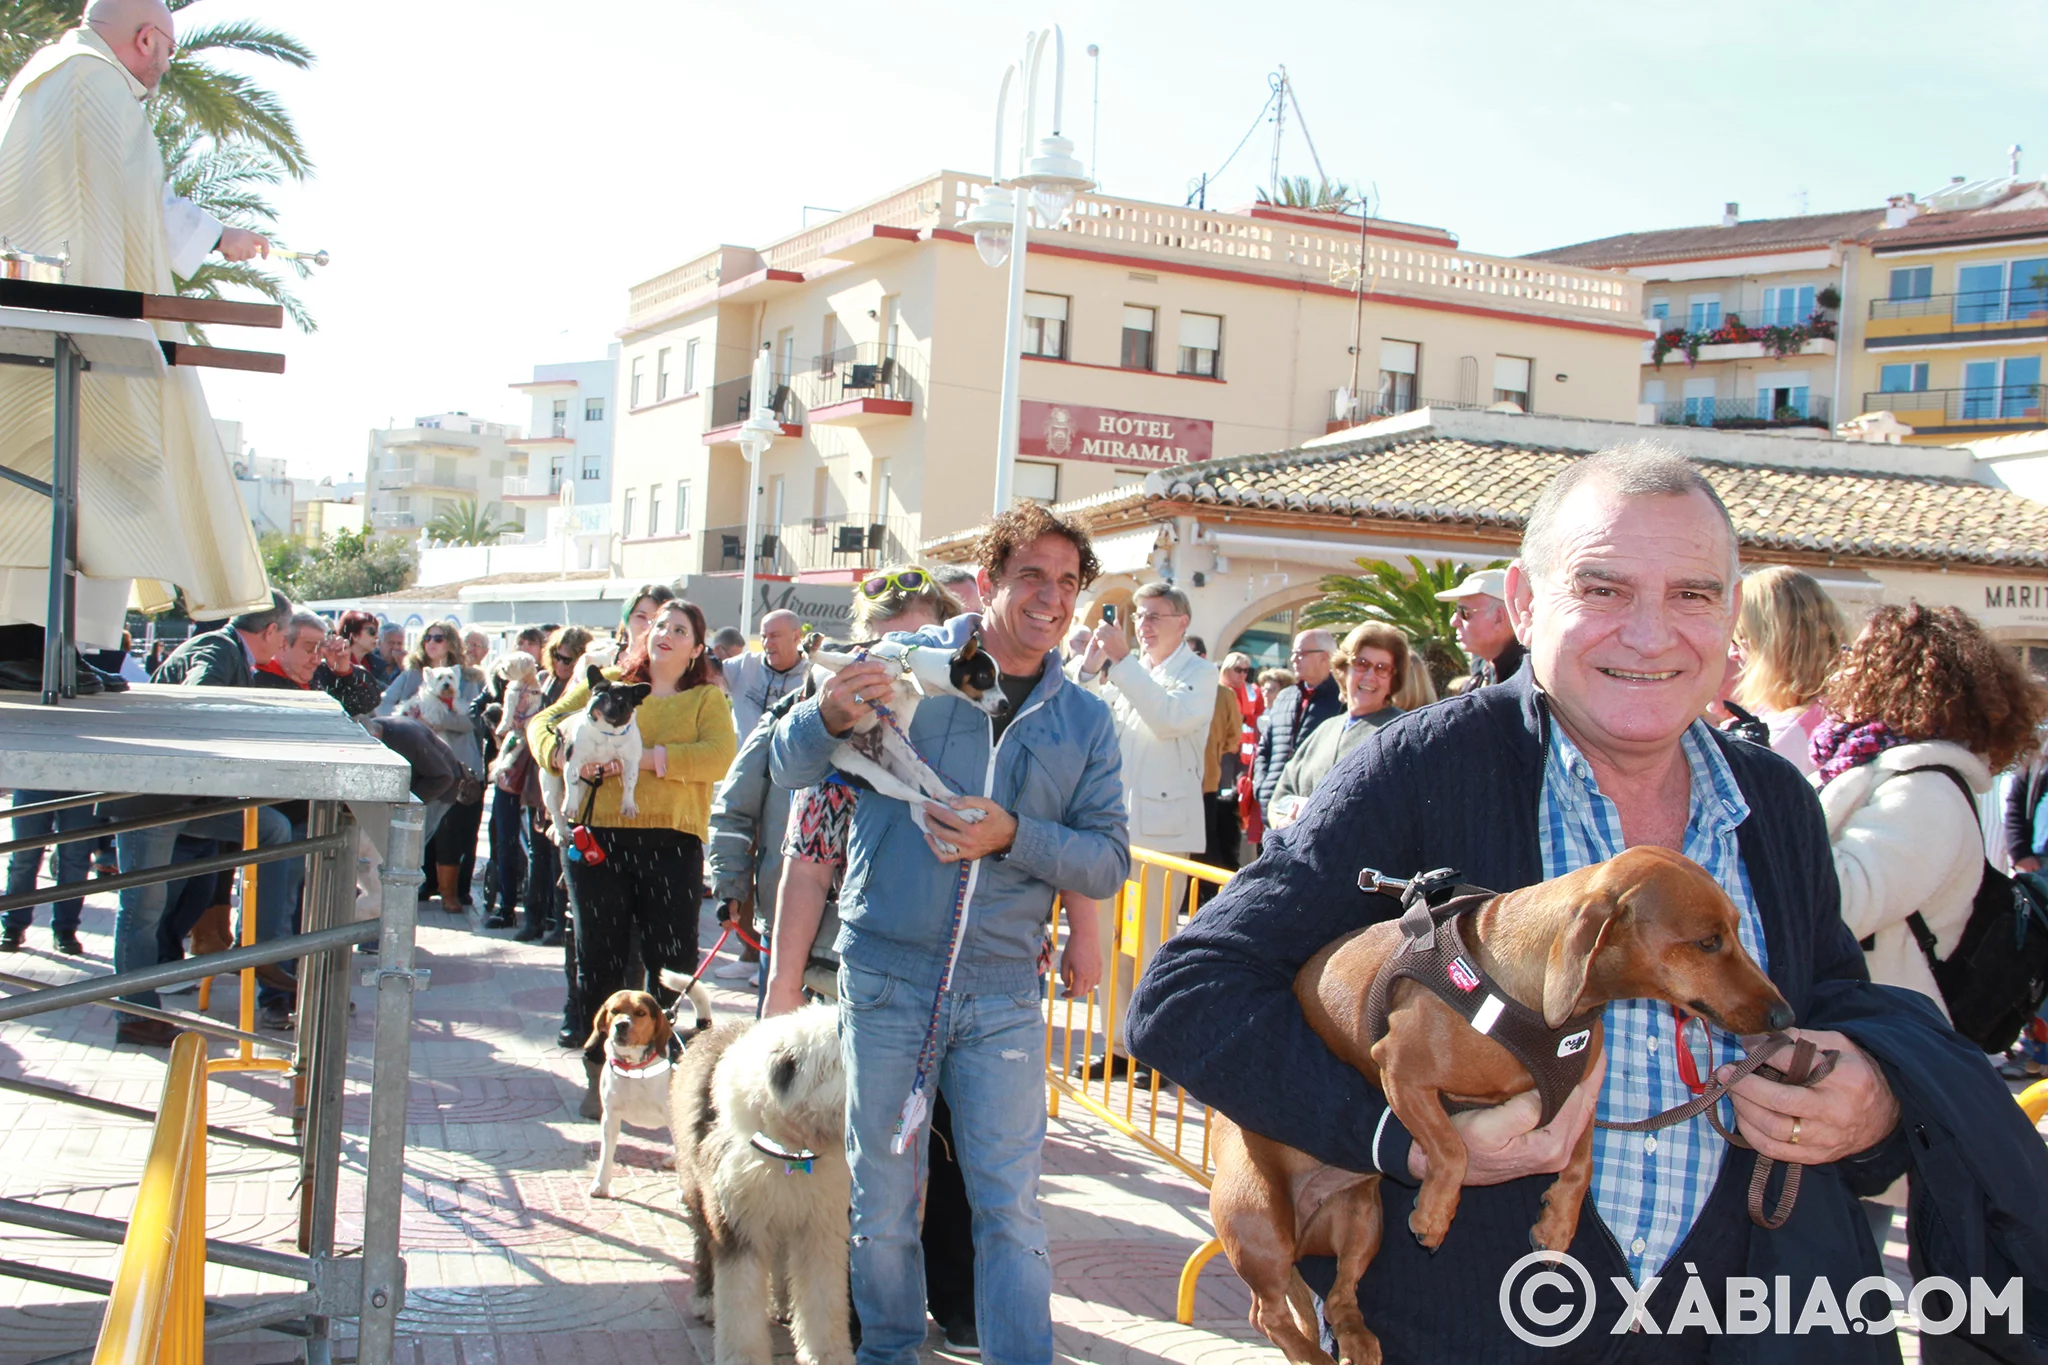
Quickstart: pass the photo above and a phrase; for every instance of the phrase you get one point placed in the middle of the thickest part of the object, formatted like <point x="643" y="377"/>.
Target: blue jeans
<point x="992" y="1068"/>
<point x="508" y="848"/>
<point x="142" y="907"/>
<point x="73" y="860"/>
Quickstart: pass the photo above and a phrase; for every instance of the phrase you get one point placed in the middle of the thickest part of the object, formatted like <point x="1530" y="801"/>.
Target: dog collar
<point x="654" y="1064"/>
<point x="798" y="1162"/>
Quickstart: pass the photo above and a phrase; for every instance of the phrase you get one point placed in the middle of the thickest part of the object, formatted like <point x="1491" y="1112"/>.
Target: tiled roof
<point x="1434" y="479"/>
<point x="1752" y="236"/>
<point x="1977" y="225"/>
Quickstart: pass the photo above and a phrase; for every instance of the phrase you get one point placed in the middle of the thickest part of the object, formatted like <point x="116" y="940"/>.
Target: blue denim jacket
<point x="1057" y="769"/>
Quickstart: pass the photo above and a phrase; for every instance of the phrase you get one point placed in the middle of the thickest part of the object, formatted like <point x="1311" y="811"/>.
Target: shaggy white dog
<point x="435" y="702"/>
<point x="760" y="1129"/>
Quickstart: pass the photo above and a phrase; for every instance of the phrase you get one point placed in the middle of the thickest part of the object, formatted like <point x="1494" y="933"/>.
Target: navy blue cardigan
<point x="1458" y="784"/>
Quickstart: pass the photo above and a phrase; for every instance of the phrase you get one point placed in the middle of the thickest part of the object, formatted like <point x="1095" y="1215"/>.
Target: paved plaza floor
<point x="510" y="1262"/>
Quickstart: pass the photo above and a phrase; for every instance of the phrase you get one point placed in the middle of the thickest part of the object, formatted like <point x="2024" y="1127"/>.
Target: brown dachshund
<point x="1646" y="925"/>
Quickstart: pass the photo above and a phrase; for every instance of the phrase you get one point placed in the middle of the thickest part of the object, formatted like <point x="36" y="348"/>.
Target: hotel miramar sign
<point x="1072" y="431"/>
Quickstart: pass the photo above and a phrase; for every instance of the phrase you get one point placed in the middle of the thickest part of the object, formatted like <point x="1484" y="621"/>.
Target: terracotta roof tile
<point x="1482" y="485"/>
<point x="1974" y="225"/>
<point x="1710" y="240"/>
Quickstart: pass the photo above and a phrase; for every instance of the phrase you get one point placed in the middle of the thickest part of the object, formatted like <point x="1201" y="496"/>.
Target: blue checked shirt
<point x="1649" y="1187"/>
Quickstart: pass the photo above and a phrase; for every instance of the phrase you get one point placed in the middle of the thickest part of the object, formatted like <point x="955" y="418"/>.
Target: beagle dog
<point x="636" y="1032"/>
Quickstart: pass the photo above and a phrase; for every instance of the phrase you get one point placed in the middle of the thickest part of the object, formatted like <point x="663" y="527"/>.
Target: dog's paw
<point x="700" y="1304"/>
<point x="600" y="1189"/>
<point x="1429" y="1232"/>
<point x="629" y="810"/>
<point x="972" y="815"/>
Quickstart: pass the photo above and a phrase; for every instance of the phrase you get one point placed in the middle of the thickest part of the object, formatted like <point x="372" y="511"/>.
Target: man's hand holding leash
<point x="852" y="692"/>
<point x="1849" y="1110"/>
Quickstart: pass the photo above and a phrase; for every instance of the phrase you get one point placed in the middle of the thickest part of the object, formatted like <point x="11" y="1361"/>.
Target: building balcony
<point x="1742" y="414"/>
<point x="863" y="385"/>
<point x="1739" y="350"/>
<point x="732" y="402"/>
<point x="427" y="483"/>
<point x="813" y="544"/>
<point x="1348" y="410"/>
<point x="1993" y="407"/>
<point x="545" y="489"/>
<point x="1988" y="316"/>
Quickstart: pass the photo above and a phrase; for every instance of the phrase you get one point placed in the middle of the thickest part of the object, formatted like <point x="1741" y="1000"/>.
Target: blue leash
<point x="917" y="1105"/>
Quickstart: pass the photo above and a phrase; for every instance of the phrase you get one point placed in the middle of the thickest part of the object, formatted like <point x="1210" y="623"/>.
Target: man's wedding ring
<point x="1795" y="1131"/>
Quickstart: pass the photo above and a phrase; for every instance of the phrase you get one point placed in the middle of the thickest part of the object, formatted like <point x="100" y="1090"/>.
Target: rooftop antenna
<point x="1278" y="81"/>
<point x="2012" y="155"/>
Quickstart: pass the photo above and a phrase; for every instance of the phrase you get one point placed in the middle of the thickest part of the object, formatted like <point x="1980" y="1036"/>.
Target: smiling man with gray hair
<point x="1626" y="598"/>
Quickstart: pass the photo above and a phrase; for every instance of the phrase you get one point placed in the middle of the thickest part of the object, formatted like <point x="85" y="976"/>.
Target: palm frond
<point x="1407" y="601"/>
<point x="226" y="105"/>
<point x="243" y="36"/>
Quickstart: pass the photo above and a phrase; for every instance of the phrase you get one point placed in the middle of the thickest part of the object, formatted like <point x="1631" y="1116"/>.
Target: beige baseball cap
<point x="1480" y="583"/>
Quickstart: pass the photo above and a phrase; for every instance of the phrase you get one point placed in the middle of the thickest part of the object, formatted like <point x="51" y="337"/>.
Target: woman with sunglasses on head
<point x="451" y="846"/>
<point x="646" y="871"/>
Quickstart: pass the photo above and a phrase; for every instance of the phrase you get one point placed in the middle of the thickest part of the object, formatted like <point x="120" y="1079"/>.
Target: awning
<point x="1127" y="551"/>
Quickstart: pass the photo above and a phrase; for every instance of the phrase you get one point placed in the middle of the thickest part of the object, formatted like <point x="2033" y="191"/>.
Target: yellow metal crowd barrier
<point x="156" y="1313"/>
<point x="245" y="1058"/>
<point x="1162" y="893"/>
<point x="2034" y="1101"/>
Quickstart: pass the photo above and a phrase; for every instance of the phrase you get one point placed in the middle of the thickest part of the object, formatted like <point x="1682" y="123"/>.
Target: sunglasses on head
<point x="906" y="580"/>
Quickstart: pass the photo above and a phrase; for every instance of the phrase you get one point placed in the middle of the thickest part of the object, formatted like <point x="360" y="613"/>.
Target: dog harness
<point x="1435" y="955"/>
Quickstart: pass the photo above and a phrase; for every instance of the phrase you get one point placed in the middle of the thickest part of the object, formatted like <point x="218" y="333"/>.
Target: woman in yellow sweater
<point x="652" y="875"/>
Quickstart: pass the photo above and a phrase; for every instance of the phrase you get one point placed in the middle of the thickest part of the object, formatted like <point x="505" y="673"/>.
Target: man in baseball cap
<point x="1483" y="627"/>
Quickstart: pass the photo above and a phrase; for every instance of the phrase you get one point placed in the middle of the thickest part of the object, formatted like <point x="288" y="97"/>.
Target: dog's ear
<point x="634" y="693"/>
<point x="1572" y="953"/>
<point x="782" y="1073"/>
<point x="599" y="1025"/>
<point x="594" y="676"/>
<point x="968" y="650"/>
<point x="664" y="1029"/>
<point x="813" y="642"/>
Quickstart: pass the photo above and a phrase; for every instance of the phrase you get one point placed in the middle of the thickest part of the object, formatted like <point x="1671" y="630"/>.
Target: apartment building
<point x="1955" y="316"/>
<point x="565" y="496"/>
<point x="1746" y="316"/>
<point x="436" y="465"/>
<point x="1154" y="335"/>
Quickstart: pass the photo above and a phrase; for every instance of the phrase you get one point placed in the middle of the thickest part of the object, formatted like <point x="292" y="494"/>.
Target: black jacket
<point x="217" y="658"/>
<point x="1216" y="1012"/>
<point x="2028" y="785"/>
<point x="1294" y="717"/>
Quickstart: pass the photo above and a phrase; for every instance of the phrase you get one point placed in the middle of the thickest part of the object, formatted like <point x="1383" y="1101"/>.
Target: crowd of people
<point x="1122" y="733"/>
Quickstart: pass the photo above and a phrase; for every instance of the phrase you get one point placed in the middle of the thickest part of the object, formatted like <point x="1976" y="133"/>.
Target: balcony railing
<point x="1370" y="407"/>
<point x="1988" y="403"/>
<point x="2013" y="307"/>
<point x="548" y="487"/>
<point x="835" y="542"/>
<point x="734" y="399"/>
<point x="1740" y="414"/>
<point x="868" y="370"/>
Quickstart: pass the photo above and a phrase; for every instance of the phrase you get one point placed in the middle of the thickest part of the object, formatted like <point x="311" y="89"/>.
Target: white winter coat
<point x="1906" y="843"/>
<point x="1162" y="721"/>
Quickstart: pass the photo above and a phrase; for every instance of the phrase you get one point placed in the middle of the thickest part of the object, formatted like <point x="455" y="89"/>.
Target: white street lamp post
<point x="1046" y="183"/>
<point x="757" y="433"/>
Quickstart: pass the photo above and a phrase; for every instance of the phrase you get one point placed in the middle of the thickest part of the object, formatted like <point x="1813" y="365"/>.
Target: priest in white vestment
<point x="80" y="171"/>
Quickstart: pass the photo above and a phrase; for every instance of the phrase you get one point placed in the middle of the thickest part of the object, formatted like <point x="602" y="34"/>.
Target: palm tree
<point x="1406" y="601"/>
<point x="1297" y="191"/>
<point x="221" y="132"/>
<point x="467" y="524"/>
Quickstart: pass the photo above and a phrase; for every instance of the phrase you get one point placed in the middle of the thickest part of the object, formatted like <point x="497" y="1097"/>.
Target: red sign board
<point x="1069" y="431"/>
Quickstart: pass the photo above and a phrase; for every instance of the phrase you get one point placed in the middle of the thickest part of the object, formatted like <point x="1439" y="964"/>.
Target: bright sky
<point x="493" y="176"/>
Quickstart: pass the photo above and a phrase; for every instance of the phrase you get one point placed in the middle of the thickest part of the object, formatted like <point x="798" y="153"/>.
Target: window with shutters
<point x="1045" y="326"/>
<point x="633" y="385"/>
<point x="1400" y="363"/>
<point x="682" y="506"/>
<point x="1138" y="325"/>
<point x="558" y="420"/>
<point x="1036" y="480"/>
<point x="1201" y="345"/>
<point x="593" y="409"/>
<point x="654" y="510"/>
<point x="1511" y="380"/>
<point x="626" y="521"/>
<point x="661" y="374"/>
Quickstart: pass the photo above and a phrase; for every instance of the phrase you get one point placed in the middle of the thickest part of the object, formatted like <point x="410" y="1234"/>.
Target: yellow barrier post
<point x="156" y="1312"/>
<point x="1133" y="912"/>
<point x="245" y="1058"/>
<point x="2034" y="1101"/>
